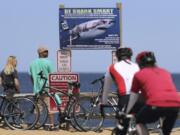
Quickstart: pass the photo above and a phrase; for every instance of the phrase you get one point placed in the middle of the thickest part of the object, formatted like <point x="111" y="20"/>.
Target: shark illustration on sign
<point x="90" y="29"/>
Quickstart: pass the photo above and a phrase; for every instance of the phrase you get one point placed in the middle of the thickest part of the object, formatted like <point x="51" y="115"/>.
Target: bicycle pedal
<point x="50" y="128"/>
<point x="63" y="126"/>
<point x="99" y="131"/>
<point x="67" y="119"/>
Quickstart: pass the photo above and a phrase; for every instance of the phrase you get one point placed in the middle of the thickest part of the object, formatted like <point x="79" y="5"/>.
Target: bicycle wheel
<point x="2" y="103"/>
<point x="21" y="113"/>
<point x="71" y="117"/>
<point x="116" y="131"/>
<point x="87" y="116"/>
<point x="43" y="111"/>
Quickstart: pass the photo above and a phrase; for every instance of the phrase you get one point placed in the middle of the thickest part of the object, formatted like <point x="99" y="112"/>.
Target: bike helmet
<point x="124" y="53"/>
<point x="146" y="58"/>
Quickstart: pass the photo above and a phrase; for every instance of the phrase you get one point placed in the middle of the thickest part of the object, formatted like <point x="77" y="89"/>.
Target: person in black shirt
<point x="9" y="77"/>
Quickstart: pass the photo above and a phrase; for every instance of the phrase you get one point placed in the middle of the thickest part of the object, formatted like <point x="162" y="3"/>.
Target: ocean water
<point x="85" y="80"/>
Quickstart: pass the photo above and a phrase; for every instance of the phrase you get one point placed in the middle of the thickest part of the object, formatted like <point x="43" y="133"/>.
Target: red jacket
<point x="157" y="87"/>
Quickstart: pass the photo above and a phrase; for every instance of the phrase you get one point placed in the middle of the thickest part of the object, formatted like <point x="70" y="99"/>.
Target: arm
<point x="31" y="79"/>
<point x="107" y="83"/>
<point x="31" y="74"/>
<point x="17" y="85"/>
<point x="134" y="95"/>
<point x="132" y="100"/>
<point x="0" y="81"/>
<point x="0" y="78"/>
<point x="16" y="81"/>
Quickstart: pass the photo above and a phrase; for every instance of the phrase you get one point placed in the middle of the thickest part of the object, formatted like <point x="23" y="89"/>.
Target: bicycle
<point x="89" y="116"/>
<point x="16" y="112"/>
<point x="126" y="123"/>
<point x="65" y="116"/>
<point x="132" y="127"/>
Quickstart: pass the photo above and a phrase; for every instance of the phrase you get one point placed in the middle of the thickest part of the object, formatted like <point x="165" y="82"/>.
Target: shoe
<point x="37" y="126"/>
<point x="53" y="128"/>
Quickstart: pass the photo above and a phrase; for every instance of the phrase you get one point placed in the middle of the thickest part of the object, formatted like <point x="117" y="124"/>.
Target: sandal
<point x="53" y="128"/>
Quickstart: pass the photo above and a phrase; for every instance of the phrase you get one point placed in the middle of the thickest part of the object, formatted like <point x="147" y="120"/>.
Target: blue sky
<point x="147" y="25"/>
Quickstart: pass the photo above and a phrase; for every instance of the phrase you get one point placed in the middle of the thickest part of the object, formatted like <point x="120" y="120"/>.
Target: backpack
<point x="7" y="80"/>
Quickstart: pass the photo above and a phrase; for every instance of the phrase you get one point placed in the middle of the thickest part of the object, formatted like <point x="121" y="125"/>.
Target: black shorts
<point x="123" y="102"/>
<point x="150" y="114"/>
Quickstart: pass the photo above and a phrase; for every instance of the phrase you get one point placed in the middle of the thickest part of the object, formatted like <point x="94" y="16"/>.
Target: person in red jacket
<point x="161" y="97"/>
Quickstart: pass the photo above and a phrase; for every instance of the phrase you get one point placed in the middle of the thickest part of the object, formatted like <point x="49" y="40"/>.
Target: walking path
<point x="3" y="131"/>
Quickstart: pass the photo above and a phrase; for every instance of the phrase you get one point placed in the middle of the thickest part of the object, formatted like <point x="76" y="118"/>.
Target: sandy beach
<point x="3" y="131"/>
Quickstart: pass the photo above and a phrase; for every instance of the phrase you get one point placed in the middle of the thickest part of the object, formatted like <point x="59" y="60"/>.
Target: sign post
<point x="119" y="7"/>
<point x="114" y="58"/>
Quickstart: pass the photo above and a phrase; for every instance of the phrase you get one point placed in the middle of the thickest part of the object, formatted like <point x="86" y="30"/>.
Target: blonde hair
<point x="10" y="65"/>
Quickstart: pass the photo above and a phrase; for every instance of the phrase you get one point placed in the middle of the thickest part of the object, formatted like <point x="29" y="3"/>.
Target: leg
<point x="50" y="114"/>
<point x="51" y="119"/>
<point x="147" y="114"/>
<point x="43" y="111"/>
<point x="169" y="120"/>
<point x="142" y="129"/>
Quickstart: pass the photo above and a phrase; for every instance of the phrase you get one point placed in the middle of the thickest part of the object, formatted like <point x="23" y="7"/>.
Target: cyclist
<point x="122" y="74"/>
<point x="160" y="94"/>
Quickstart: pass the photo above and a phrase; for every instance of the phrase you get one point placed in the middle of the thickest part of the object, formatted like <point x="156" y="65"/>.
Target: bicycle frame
<point x="111" y="101"/>
<point x="57" y="90"/>
<point x="63" y="115"/>
<point x="2" y="103"/>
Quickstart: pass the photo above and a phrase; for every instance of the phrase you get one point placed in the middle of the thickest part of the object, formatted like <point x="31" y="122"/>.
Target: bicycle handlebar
<point x="41" y="75"/>
<point x="74" y="84"/>
<point x="97" y="80"/>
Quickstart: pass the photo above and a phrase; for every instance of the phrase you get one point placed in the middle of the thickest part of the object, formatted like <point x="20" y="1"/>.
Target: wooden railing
<point x="83" y="95"/>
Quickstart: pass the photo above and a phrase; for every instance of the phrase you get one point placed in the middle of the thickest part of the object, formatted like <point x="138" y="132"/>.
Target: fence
<point x="83" y="95"/>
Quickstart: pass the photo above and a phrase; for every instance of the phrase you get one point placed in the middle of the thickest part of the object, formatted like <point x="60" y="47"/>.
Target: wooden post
<point x="61" y="6"/>
<point x="119" y="7"/>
